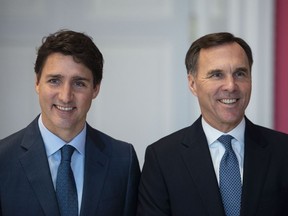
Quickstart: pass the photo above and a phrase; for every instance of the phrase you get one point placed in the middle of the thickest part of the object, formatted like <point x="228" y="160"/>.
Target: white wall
<point x="144" y="93"/>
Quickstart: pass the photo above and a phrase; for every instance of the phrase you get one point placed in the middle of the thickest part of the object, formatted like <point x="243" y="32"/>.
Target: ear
<point x="36" y="84"/>
<point x="96" y="90"/>
<point x="192" y="84"/>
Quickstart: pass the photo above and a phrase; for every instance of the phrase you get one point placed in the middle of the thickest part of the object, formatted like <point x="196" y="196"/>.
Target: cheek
<point x="205" y="90"/>
<point x="46" y="95"/>
<point x="246" y="90"/>
<point x="85" y="100"/>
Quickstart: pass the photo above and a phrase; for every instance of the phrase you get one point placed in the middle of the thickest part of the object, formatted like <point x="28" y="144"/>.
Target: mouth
<point x="66" y="109"/>
<point x="229" y="101"/>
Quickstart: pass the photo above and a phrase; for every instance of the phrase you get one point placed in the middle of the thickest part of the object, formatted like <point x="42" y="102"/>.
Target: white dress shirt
<point x="53" y="145"/>
<point x="216" y="148"/>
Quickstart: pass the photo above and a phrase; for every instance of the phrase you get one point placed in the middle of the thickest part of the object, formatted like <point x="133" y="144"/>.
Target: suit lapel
<point x="256" y="160"/>
<point x="196" y="156"/>
<point x="36" y="167"/>
<point x="96" y="166"/>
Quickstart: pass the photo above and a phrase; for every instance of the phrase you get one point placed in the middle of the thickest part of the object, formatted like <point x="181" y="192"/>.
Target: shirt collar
<point x="213" y="134"/>
<point x="53" y="143"/>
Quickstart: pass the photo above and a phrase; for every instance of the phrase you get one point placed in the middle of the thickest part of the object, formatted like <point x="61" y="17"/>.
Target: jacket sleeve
<point x="132" y="185"/>
<point x="153" y="199"/>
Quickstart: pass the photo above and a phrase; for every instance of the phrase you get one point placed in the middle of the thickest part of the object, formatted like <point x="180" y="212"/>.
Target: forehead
<point x="230" y="54"/>
<point x="65" y="65"/>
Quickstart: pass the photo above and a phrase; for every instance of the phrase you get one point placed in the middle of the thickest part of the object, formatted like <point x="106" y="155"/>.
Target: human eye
<point x="217" y="74"/>
<point x="80" y="83"/>
<point x="241" y="73"/>
<point x="53" y="81"/>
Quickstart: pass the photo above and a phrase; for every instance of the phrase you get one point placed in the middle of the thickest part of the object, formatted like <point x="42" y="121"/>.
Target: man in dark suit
<point x="222" y="164"/>
<point x="103" y="172"/>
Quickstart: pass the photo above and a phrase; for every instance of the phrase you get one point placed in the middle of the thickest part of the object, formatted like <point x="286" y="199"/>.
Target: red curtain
<point x="281" y="66"/>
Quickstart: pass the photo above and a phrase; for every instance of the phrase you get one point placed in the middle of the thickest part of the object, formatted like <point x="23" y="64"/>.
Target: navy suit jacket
<point x="178" y="178"/>
<point x="111" y="176"/>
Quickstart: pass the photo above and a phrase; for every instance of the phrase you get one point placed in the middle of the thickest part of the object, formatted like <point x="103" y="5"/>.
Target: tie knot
<point x="226" y="141"/>
<point x="66" y="152"/>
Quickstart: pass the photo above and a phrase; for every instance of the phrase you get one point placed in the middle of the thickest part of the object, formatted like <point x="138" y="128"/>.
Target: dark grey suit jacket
<point x="111" y="176"/>
<point x="178" y="177"/>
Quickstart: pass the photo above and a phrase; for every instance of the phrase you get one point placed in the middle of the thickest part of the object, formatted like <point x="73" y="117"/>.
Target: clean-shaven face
<point x="65" y="91"/>
<point x="222" y="85"/>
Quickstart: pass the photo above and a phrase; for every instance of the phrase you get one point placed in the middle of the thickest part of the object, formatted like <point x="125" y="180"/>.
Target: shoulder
<point x="120" y="153"/>
<point x="266" y="136"/>
<point x="31" y="130"/>
<point x="171" y="145"/>
<point x="264" y="131"/>
<point x="10" y="149"/>
<point x="183" y="137"/>
<point x="15" y="137"/>
<point x="171" y="139"/>
<point x="109" y="144"/>
<point x="271" y="135"/>
<point x="12" y="141"/>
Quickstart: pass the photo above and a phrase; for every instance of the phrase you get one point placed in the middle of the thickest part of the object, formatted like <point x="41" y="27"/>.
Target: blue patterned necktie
<point x="65" y="184"/>
<point x="230" y="179"/>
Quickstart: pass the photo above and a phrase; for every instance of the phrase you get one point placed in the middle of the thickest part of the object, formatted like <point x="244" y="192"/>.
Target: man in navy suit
<point x="106" y="171"/>
<point x="181" y="173"/>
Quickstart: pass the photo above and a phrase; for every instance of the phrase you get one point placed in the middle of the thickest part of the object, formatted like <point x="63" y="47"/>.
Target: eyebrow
<point x="210" y="72"/>
<point x="59" y="76"/>
<point x="80" y="78"/>
<point x="54" y="75"/>
<point x="245" y="69"/>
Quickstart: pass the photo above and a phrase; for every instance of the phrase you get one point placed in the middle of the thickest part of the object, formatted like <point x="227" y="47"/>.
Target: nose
<point x="66" y="93"/>
<point x="230" y="84"/>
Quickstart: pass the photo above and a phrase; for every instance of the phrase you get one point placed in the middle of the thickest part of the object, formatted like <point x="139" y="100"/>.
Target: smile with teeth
<point x="64" y="108"/>
<point x="228" y="101"/>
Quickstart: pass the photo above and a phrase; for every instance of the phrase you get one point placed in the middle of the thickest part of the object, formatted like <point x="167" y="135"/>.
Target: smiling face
<point x="222" y="85"/>
<point x="65" y="91"/>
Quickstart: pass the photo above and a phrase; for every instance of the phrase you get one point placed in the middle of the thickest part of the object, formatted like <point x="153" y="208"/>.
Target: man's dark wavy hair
<point x="211" y="40"/>
<point x="75" y="44"/>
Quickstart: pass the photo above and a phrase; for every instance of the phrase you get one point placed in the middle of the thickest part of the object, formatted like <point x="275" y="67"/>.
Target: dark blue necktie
<point x="230" y="179"/>
<point x="65" y="184"/>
